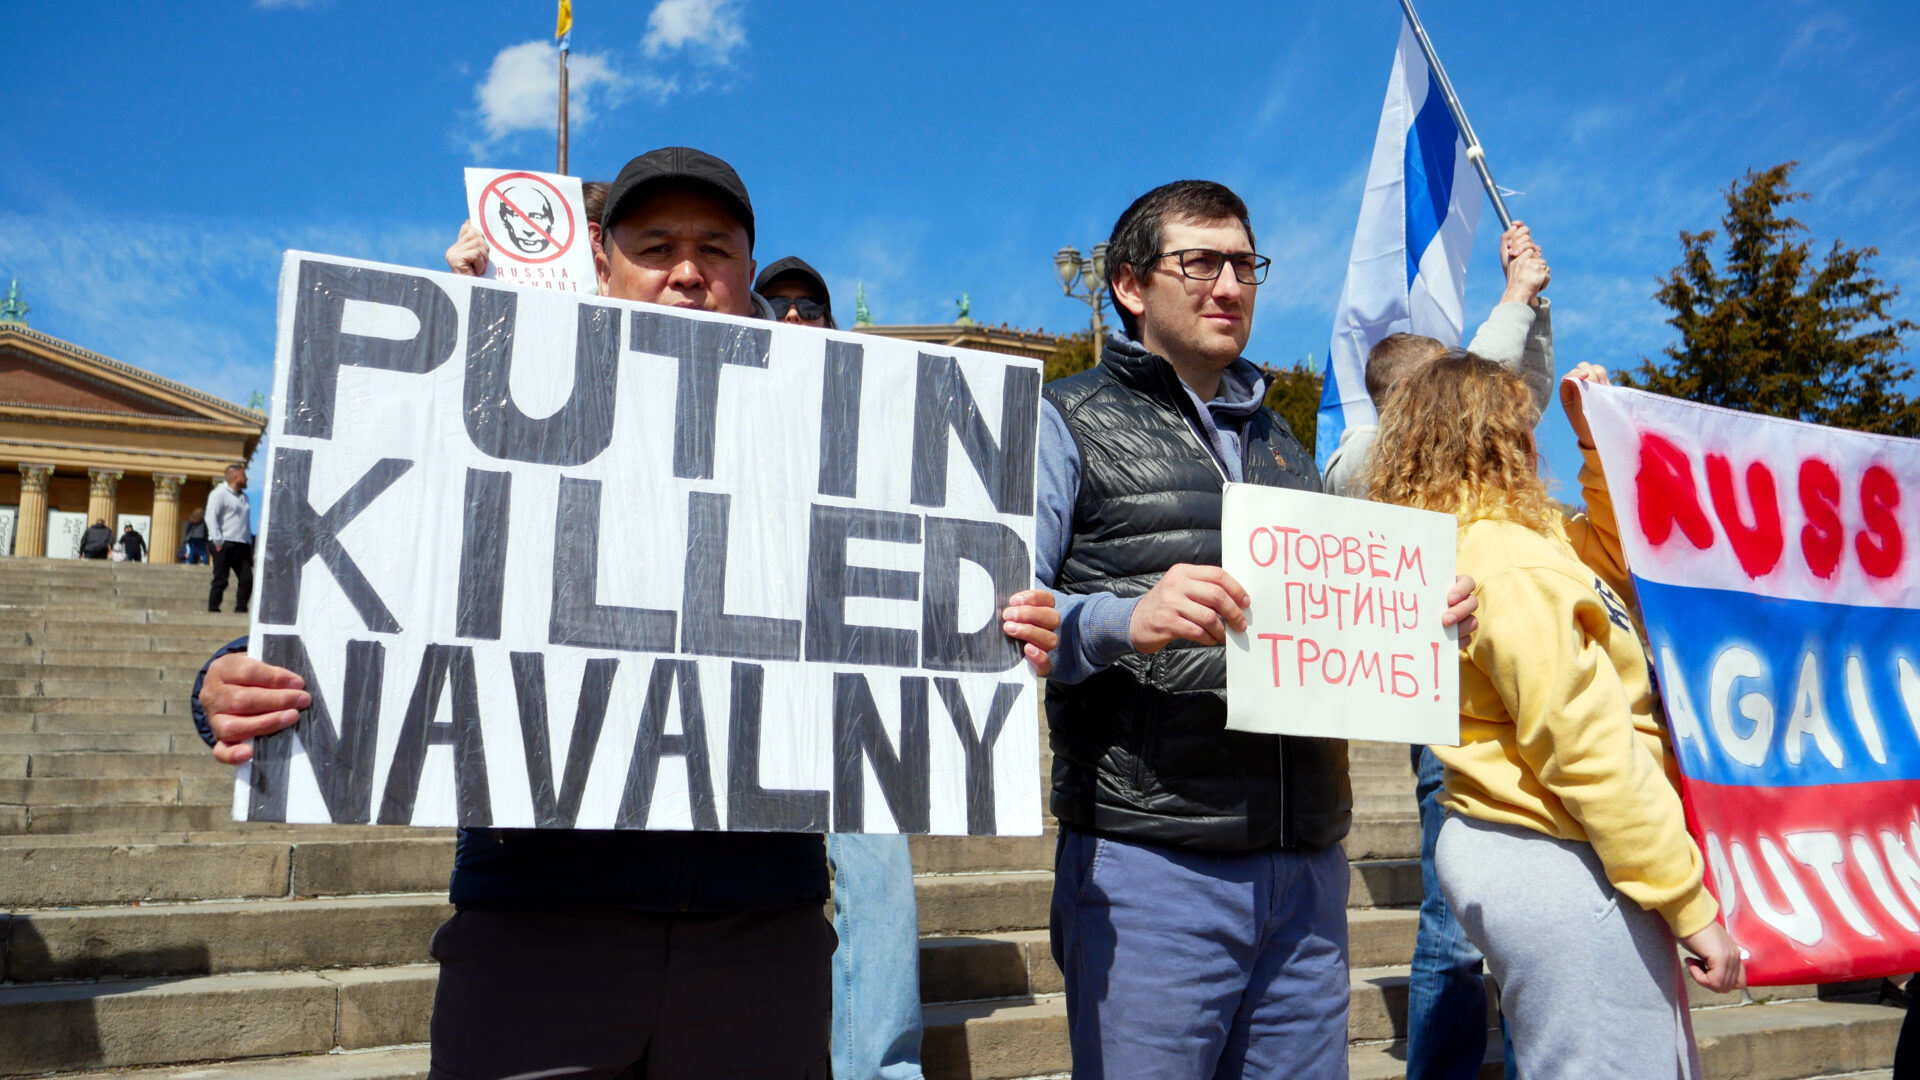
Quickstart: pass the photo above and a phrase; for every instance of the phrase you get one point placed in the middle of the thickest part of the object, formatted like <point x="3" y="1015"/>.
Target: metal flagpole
<point x="1475" y="154"/>
<point x="562" y="169"/>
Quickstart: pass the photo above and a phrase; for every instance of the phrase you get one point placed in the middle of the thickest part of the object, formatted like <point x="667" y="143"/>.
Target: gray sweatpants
<point x="1591" y="983"/>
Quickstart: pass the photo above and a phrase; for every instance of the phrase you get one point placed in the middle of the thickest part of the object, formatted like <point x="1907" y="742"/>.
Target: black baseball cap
<point x="793" y="266"/>
<point x="676" y="166"/>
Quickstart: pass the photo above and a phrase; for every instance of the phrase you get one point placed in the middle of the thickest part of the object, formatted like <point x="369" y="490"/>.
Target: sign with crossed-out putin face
<point x="535" y="226"/>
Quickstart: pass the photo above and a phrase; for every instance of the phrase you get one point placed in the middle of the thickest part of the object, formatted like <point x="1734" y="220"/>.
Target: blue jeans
<point x="1446" y="995"/>
<point x="1198" y="964"/>
<point x="876" y="1012"/>
<point x="196" y="552"/>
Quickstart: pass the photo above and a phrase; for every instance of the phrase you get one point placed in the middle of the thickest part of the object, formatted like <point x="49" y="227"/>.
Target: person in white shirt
<point x="230" y="530"/>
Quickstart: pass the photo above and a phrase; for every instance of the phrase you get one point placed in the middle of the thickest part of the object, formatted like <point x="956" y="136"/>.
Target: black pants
<point x="239" y="559"/>
<point x="598" y="993"/>
<point x="1906" y="1056"/>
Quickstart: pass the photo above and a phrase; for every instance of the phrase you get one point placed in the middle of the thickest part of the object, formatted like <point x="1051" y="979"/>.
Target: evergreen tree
<point x="1772" y="330"/>
<point x="1294" y="393"/>
<point x="1072" y="358"/>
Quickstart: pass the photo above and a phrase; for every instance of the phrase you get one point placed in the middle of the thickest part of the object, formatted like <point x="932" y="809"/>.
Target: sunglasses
<point x="808" y="309"/>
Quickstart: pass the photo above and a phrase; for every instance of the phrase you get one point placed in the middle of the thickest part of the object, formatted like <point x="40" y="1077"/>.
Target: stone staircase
<point x="146" y="933"/>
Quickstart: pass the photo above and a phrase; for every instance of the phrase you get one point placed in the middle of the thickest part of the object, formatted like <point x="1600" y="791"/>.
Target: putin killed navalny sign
<point x="1778" y="569"/>
<point x="568" y="562"/>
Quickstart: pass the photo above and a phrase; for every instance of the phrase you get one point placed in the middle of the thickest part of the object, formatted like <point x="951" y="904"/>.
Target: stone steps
<point x="124" y="818"/>
<point x="223" y="938"/>
<point x="104" y="764"/>
<point x="147" y="931"/>
<point x="408" y="1063"/>
<point x="67" y="1026"/>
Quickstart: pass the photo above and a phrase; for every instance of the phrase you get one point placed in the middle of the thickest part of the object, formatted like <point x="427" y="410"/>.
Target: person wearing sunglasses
<point x="876" y="968"/>
<point x="797" y="293"/>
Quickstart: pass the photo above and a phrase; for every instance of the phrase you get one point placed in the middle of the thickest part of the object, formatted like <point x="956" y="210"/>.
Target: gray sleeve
<point x="1349" y="462"/>
<point x="1519" y="337"/>
<point x="1094" y="627"/>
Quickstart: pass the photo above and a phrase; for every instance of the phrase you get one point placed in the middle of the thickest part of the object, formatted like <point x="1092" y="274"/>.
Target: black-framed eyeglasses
<point x="1203" y="264"/>
<point x="808" y="309"/>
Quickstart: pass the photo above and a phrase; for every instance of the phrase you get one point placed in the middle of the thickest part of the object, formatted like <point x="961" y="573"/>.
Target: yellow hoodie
<point x="1560" y="723"/>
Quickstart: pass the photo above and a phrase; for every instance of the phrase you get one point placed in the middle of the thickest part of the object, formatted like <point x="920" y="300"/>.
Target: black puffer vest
<point x="1141" y="750"/>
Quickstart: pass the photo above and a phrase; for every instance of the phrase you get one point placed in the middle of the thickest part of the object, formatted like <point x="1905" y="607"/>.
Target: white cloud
<point x="708" y="29"/>
<point x="522" y="89"/>
<point x="276" y="5"/>
<point x="1826" y="34"/>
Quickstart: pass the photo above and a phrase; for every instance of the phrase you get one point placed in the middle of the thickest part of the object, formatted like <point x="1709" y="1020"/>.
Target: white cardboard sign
<point x="535" y="225"/>
<point x="568" y="562"/>
<point x="1344" y="638"/>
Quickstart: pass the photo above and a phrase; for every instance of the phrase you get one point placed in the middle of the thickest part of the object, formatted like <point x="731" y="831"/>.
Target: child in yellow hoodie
<point x="1562" y="798"/>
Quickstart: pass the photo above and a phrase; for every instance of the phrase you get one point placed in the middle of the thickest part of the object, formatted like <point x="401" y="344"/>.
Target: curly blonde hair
<point x="1456" y="436"/>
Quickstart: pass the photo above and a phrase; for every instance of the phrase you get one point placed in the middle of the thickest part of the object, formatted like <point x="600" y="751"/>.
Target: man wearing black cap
<point x="797" y="293"/>
<point x="593" y="954"/>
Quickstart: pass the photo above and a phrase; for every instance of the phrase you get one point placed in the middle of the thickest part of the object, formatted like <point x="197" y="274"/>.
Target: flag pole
<point x="562" y="168"/>
<point x="1475" y="155"/>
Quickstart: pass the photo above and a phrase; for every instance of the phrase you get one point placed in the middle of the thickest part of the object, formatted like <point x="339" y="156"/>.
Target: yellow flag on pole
<point x="563" y="28"/>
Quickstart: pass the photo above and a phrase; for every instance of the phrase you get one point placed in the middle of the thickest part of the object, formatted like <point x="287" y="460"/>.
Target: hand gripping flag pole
<point x="1475" y="155"/>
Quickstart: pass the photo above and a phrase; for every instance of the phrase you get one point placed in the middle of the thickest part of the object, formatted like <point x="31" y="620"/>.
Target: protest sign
<point x="562" y="562"/>
<point x="535" y="225"/>
<point x="1343" y="639"/>
<point x="1773" y="565"/>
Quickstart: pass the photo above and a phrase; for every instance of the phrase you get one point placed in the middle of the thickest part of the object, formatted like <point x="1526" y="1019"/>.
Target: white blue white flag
<point x="1408" y="271"/>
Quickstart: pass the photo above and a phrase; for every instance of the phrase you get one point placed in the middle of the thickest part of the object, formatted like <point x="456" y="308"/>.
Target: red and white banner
<point x="1777" y="576"/>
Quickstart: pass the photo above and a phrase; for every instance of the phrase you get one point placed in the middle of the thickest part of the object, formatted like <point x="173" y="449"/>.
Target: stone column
<point x="164" y="545"/>
<point x="30" y="531"/>
<point x="103" y="483"/>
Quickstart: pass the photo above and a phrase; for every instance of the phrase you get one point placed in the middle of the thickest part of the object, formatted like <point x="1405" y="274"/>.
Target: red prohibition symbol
<point x="525" y="218"/>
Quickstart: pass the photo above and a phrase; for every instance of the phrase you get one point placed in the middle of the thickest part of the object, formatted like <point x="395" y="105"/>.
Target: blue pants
<point x="1189" y="965"/>
<point x="876" y="969"/>
<point x="1446" y="996"/>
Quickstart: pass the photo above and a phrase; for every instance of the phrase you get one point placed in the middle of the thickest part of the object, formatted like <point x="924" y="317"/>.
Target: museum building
<point x="86" y="438"/>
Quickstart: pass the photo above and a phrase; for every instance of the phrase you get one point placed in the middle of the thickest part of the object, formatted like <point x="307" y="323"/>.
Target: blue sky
<point x="155" y="158"/>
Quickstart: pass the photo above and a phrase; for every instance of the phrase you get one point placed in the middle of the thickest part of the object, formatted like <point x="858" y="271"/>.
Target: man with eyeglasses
<point x="1200" y="890"/>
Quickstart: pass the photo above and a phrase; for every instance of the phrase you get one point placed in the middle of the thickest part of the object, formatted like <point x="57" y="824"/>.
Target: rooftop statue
<point x="12" y="310"/>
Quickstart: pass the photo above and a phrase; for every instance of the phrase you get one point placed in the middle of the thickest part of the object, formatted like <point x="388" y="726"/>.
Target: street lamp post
<point x="1085" y="279"/>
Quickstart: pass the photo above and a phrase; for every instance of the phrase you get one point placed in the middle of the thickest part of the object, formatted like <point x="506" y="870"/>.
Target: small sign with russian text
<point x="1343" y="639"/>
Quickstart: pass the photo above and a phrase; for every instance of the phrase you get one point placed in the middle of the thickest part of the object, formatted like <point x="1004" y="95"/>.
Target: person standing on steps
<point x="230" y="529"/>
<point x="193" y="539"/>
<point x="97" y="541"/>
<point x="1446" y="990"/>
<point x="876" y="968"/>
<point x="133" y="544"/>
<point x="606" y="954"/>
<point x="1564" y="853"/>
<point x="1200" y="889"/>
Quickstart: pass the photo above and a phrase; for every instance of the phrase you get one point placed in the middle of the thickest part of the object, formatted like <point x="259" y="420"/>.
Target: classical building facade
<point x="83" y="433"/>
<point x="1037" y="344"/>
